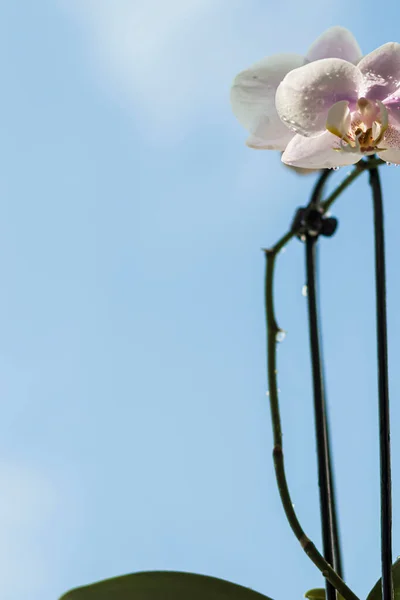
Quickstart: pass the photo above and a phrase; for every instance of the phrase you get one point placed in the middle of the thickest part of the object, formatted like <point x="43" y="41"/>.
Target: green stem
<point x="307" y="545"/>
<point x="359" y="168"/>
<point x="273" y="331"/>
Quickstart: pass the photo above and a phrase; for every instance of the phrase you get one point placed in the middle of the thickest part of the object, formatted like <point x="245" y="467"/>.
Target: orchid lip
<point x="360" y="130"/>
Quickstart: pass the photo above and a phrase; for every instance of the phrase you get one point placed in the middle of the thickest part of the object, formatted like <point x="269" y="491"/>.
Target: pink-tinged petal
<point x="381" y="70"/>
<point x="317" y="153"/>
<point x="253" y="98"/>
<point x="392" y="105"/>
<point x="336" y="42"/>
<point x="305" y="96"/>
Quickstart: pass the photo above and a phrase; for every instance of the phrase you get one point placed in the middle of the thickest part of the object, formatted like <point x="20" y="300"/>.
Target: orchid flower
<point x="253" y="91"/>
<point x="328" y="110"/>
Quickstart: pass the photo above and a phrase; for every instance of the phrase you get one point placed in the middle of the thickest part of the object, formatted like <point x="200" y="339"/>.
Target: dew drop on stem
<point x="280" y="335"/>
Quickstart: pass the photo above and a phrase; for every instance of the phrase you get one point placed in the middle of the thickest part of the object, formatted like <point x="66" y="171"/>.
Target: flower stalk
<point x="383" y="385"/>
<point x="321" y="429"/>
<point x="329" y="517"/>
<point x="273" y="330"/>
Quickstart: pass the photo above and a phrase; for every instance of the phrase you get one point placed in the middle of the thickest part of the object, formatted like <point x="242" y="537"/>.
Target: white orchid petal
<point x="320" y="152"/>
<point x="339" y="119"/>
<point x="381" y="70"/>
<point x="260" y="144"/>
<point x="268" y="137"/>
<point x="253" y="97"/>
<point x="336" y="42"/>
<point x="390" y="156"/>
<point x="306" y="94"/>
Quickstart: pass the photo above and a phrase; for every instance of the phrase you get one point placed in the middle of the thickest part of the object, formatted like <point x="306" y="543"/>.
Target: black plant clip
<point x="310" y="221"/>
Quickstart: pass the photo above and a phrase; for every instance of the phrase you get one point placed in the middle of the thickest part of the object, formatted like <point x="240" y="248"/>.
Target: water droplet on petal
<point x="335" y="168"/>
<point x="389" y="164"/>
<point x="304" y="291"/>
<point x="280" y="336"/>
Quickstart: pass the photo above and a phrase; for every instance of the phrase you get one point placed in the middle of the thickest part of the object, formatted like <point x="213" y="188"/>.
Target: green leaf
<point x="319" y="594"/>
<point x="315" y="594"/>
<point x="376" y="592"/>
<point x="163" y="585"/>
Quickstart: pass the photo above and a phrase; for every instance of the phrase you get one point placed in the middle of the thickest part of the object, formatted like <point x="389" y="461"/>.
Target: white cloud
<point x="173" y="61"/>
<point x="151" y="52"/>
<point x="28" y="504"/>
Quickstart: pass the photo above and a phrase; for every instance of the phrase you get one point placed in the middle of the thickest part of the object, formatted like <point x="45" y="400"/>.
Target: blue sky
<point x="135" y="430"/>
